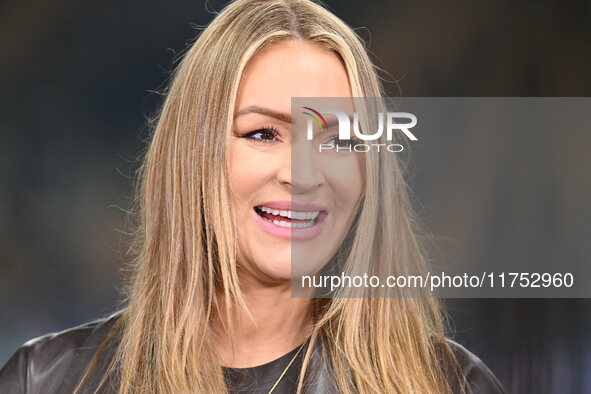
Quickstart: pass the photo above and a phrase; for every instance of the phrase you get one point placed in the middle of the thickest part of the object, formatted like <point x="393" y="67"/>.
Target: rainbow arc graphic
<point x="322" y="125"/>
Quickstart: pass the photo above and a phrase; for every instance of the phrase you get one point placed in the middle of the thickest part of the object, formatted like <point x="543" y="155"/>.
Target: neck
<point x="281" y="324"/>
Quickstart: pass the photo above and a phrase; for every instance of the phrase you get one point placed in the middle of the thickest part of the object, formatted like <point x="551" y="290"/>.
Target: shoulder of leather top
<point x="28" y="369"/>
<point x="478" y="378"/>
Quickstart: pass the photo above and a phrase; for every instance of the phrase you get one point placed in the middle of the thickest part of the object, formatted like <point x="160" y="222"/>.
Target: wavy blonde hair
<point x="186" y="239"/>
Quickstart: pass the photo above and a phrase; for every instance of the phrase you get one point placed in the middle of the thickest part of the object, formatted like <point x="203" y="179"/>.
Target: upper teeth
<point x="291" y="214"/>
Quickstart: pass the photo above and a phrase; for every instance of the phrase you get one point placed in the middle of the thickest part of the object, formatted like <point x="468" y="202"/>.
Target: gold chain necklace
<point x="286" y="368"/>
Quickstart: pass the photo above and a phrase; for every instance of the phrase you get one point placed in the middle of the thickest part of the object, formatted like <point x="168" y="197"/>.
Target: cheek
<point x="347" y="181"/>
<point x="242" y="172"/>
<point x="250" y="173"/>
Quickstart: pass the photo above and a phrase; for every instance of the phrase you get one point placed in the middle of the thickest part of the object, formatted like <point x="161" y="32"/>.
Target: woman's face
<point x="286" y="204"/>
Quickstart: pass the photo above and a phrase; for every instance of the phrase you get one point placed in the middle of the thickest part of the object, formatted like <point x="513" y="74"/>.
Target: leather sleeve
<point x="39" y="366"/>
<point x="13" y="376"/>
<point x="54" y="363"/>
<point x="478" y="378"/>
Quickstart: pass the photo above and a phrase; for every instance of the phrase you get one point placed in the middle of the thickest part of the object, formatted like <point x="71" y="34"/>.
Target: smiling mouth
<point x="288" y="218"/>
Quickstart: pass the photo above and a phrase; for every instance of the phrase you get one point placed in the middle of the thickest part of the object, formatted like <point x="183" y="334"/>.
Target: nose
<point x="299" y="170"/>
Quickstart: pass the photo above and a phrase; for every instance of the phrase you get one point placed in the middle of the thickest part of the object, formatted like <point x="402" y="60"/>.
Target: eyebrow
<point x="264" y="111"/>
<point x="274" y="114"/>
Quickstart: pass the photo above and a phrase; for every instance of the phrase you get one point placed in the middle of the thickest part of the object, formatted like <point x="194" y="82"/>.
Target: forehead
<point x="291" y="68"/>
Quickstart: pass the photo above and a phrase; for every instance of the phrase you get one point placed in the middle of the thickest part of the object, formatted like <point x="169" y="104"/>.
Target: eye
<point x="264" y="135"/>
<point x="337" y="142"/>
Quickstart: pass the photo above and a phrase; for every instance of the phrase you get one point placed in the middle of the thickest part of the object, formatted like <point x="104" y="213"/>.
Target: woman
<point x="210" y="307"/>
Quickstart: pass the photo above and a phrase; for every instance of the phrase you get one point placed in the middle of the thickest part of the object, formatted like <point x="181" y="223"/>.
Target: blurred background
<point x="78" y="82"/>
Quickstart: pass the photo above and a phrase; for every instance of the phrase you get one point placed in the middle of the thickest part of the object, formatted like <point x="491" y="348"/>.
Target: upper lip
<point x="286" y="205"/>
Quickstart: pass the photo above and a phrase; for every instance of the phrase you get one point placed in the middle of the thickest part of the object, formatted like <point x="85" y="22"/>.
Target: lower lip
<point x="300" y="233"/>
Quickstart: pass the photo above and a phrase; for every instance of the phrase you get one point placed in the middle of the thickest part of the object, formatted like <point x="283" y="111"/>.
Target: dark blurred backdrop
<point x="76" y="80"/>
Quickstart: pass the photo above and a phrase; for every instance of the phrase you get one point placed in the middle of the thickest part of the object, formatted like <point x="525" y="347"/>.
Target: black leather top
<point x="260" y="379"/>
<point x="55" y="362"/>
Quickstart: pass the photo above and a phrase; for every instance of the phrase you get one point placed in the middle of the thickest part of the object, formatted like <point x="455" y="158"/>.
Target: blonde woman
<point x="210" y="308"/>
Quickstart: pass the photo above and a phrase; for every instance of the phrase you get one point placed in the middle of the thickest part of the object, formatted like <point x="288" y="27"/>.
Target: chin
<point x="274" y="261"/>
<point x="279" y="270"/>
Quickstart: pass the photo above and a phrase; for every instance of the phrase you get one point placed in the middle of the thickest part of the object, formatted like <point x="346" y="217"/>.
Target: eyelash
<point x="264" y="129"/>
<point x="275" y="133"/>
<point x="352" y="141"/>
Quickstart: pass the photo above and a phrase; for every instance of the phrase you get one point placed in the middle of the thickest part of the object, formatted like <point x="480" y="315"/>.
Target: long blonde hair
<point x="186" y="238"/>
